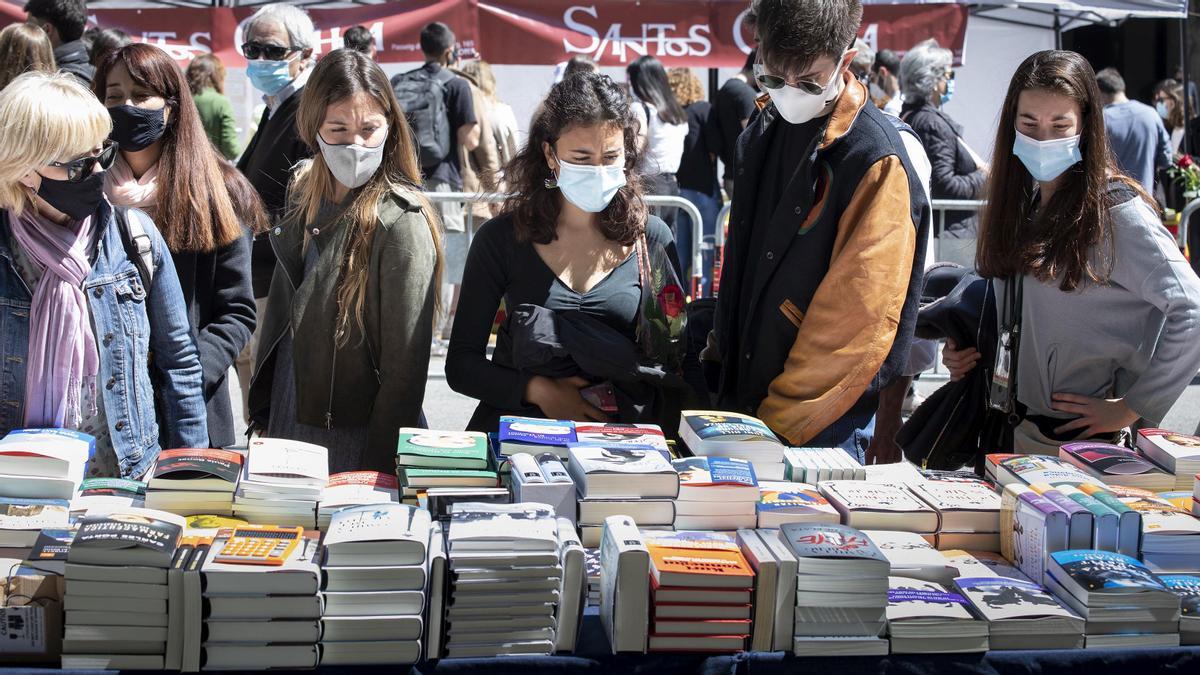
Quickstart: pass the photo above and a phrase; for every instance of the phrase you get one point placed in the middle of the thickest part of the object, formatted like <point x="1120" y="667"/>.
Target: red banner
<point x="697" y="33"/>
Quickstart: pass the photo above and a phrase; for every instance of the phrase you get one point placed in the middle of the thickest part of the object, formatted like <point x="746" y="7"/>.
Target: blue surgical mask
<point x="1161" y="107"/>
<point x="269" y="77"/>
<point x="1047" y="160"/>
<point x="591" y="188"/>
<point x="949" y="93"/>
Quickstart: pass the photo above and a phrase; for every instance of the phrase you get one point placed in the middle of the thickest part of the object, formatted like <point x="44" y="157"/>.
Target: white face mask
<point x="1047" y="160"/>
<point x="797" y="106"/>
<point x="352" y="165"/>
<point x="591" y="188"/>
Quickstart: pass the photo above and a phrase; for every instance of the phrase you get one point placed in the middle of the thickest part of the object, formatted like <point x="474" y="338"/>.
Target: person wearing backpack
<point x="441" y="113"/>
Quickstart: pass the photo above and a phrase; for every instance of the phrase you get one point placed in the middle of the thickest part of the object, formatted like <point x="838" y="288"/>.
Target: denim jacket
<point x="130" y="324"/>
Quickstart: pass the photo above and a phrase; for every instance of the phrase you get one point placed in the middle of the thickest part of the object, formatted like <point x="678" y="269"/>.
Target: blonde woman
<point x="24" y="49"/>
<point x="80" y="317"/>
<point x="349" y="320"/>
<point x="697" y="173"/>
<point x="504" y="122"/>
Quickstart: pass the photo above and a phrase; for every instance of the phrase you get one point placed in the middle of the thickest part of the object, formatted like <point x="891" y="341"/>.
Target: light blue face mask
<point x="591" y="188"/>
<point x="1161" y="107"/>
<point x="269" y="77"/>
<point x="949" y="93"/>
<point x="1047" y="160"/>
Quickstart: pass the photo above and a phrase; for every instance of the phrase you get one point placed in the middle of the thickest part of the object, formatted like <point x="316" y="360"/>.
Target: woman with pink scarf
<point x="79" y="319"/>
<point x="167" y="167"/>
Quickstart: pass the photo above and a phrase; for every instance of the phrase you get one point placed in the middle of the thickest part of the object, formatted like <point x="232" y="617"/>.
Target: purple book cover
<point x="1039" y="502"/>
<point x="1065" y="503"/>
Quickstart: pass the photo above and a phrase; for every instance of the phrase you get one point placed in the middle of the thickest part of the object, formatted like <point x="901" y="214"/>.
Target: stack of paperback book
<point x="722" y="434"/>
<point x="102" y="495"/>
<point x="117" y="590"/>
<point x="924" y="617"/>
<point x="1003" y="469"/>
<point x="535" y="436"/>
<point x="841" y="591"/>
<point x="880" y="506"/>
<point x="1187" y="587"/>
<point x="1170" y="535"/>
<point x="43" y="463"/>
<point x="968" y="512"/>
<point x="1021" y="614"/>
<point x="782" y="502"/>
<point x="282" y="481"/>
<point x="815" y="465"/>
<point x="456" y="459"/>
<point x="355" y="488"/>
<point x="190" y="482"/>
<point x="1177" y="454"/>
<point x="643" y="436"/>
<point x="774" y="600"/>
<point x="23" y="519"/>
<point x="375" y="577"/>
<point x="1123" y="602"/>
<point x="260" y="586"/>
<point x="703" y="566"/>
<point x="507" y="574"/>
<point x="622" y="480"/>
<point x="716" y="493"/>
<point x="625" y="588"/>
<point x="1116" y="465"/>
<point x="910" y="555"/>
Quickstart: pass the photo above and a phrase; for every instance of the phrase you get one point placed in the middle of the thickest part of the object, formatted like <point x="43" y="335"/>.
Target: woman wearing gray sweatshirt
<point x="1109" y="329"/>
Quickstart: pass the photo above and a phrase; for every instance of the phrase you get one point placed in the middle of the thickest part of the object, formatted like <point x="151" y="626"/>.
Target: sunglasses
<point x="78" y="169"/>
<point x="258" y="50"/>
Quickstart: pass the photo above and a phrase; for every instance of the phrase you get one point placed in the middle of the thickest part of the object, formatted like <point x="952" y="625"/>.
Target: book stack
<point x="454" y="459"/>
<point x="774" y="599"/>
<point x="1116" y="465"/>
<point x="1032" y="527"/>
<point x="355" y="488"/>
<point x="507" y="573"/>
<point x="282" y="481"/>
<point x="722" y="434"/>
<point x="117" y="590"/>
<point x="23" y="519"/>
<point x="1177" y="454"/>
<point x="968" y="512"/>
<point x="814" y="465"/>
<point x="897" y="473"/>
<point x="591" y="561"/>
<point x="708" y="566"/>
<point x="260" y="588"/>
<point x="716" y="493"/>
<point x="1123" y="602"/>
<point x="642" y="436"/>
<point x="1170" y="535"/>
<point x="190" y="482"/>
<point x="910" y="555"/>
<point x="925" y="618"/>
<point x="841" y="591"/>
<point x="1020" y="613"/>
<point x="880" y="506"/>
<point x="534" y="436"/>
<point x="622" y="480"/>
<point x="1187" y="587"/>
<point x="544" y="479"/>
<point x="43" y="463"/>
<point x="625" y="587"/>
<point x="1003" y="469"/>
<point x="782" y="502"/>
<point x="103" y="495"/>
<point x="375" y="579"/>
<point x="572" y="592"/>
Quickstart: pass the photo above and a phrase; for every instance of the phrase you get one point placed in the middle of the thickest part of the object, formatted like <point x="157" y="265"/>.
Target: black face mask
<point x="78" y="200"/>
<point x="135" y="129"/>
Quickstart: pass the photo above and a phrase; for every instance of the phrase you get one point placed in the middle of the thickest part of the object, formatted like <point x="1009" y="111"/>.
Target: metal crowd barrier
<point x="651" y="200"/>
<point x="1181" y="236"/>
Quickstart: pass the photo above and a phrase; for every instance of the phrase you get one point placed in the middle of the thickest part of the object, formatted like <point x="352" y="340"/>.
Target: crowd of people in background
<point x="150" y="261"/>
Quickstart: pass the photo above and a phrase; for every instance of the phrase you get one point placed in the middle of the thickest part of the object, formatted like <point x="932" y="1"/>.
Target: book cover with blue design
<point x="527" y="434"/>
<point x="715" y="471"/>
<point x="1101" y="571"/>
<point x="1187" y="587"/>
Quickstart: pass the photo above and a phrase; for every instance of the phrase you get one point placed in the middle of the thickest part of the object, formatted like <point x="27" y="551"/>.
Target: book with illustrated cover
<point x="916" y="599"/>
<point x="476" y="526"/>
<point x="22" y="519"/>
<point x="47" y="453"/>
<point x="208" y="470"/>
<point x="693" y="559"/>
<point x="780" y="503"/>
<point x="1032" y="527"/>
<point x="926" y="617"/>
<point x="412" y="478"/>
<point x="609" y="472"/>
<point x="716" y="479"/>
<point x="101" y="495"/>
<point x="140" y="537"/>
<point x="1116" y="465"/>
<point x="1184" y="500"/>
<point x="982" y="564"/>
<point x="1102" y="578"/>
<point x="353" y="488"/>
<point x="281" y="465"/>
<point x="1036" y="469"/>
<point x="723" y="434"/>
<point x="530" y="434"/>
<point x="822" y="548"/>
<point x="377" y="534"/>
<point x="1081" y="522"/>
<point x="1176" y="453"/>
<point x="1006" y="599"/>
<point x="1187" y="587"/>
<point x="1159" y="515"/>
<point x="444" y="449"/>
<point x="879" y="506"/>
<point x="644" y="436"/>
<point x="909" y="555"/>
<point x="50" y="549"/>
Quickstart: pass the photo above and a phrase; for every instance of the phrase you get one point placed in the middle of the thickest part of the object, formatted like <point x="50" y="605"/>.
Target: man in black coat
<point x="64" y="22"/>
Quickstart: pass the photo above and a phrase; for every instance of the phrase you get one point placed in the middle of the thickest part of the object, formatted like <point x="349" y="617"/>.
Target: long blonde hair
<point x="338" y="76"/>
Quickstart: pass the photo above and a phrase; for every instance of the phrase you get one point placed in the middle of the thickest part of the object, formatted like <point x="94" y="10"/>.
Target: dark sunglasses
<point x="78" y="169"/>
<point x="775" y="82"/>
<point x="258" y="50"/>
<point x="949" y="75"/>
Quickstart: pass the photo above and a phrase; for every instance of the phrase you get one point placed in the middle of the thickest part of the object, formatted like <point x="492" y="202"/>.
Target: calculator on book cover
<point x="260" y="545"/>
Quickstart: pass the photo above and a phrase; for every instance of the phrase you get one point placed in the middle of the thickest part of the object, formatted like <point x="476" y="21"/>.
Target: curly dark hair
<point x="582" y="99"/>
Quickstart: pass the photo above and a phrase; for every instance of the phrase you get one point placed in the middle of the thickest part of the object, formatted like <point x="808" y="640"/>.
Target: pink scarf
<point x="122" y="189"/>
<point x="62" y="359"/>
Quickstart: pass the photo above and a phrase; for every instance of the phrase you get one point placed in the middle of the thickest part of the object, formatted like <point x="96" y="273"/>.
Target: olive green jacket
<point x="216" y="115"/>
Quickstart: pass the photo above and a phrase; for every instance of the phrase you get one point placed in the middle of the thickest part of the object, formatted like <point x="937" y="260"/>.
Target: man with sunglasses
<point x="278" y="42"/>
<point x="826" y="239"/>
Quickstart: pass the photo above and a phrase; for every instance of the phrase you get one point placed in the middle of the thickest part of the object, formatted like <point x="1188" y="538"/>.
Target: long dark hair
<point x="195" y="212"/>
<point x="1071" y="237"/>
<point x="648" y="80"/>
<point x="580" y="100"/>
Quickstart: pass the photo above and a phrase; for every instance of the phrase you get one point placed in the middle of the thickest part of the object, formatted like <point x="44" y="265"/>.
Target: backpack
<point x="138" y="246"/>
<point x="422" y="97"/>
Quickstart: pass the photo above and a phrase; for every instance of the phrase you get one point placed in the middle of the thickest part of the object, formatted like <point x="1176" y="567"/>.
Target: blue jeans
<point x="710" y="206"/>
<point x="852" y="433"/>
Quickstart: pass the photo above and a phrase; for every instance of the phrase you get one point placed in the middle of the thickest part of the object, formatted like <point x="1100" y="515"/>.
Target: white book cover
<point x="916" y="599"/>
<point x="359" y="487"/>
<point x="285" y="462"/>
<point x="909" y="555"/>
<point x="478" y="525"/>
<point x="857" y="495"/>
<point x="1003" y="599"/>
<point x="900" y="473"/>
<point x="379" y="522"/>
<point x="624" y="585"/>
<point x="51" y="453"/>
<point x="982" y="564"/>
<point x="618" y="459"/>
<point x="957" y="496"/>
<point x="572" y="592"/>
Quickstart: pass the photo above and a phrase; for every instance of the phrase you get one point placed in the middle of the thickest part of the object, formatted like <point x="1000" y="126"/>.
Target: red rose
<point x="1185" y="161"/>
<point x="670" y="299"/>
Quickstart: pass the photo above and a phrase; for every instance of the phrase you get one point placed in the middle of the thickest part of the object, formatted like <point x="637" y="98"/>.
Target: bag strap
<point x="139" y="247"/>
<point x="1014" y="295"/>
